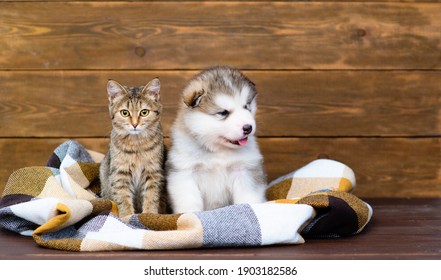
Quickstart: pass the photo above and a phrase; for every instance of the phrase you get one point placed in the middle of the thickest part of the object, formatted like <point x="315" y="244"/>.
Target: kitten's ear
<point x="193" y="93"/>
<point x="114" y="89"/>
<point x="152" y="89"/>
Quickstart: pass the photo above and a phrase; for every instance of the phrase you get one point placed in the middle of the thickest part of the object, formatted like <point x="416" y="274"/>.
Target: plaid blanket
<point x="58" y="205"/>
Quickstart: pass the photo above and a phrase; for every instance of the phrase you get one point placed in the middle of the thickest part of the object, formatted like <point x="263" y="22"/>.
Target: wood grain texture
<point x="384" y="167"/>
<point x="191" y="35"/>
<point x="400" y="229"/>
<point x="290" y="103"/>
<point x="393" y="167"/>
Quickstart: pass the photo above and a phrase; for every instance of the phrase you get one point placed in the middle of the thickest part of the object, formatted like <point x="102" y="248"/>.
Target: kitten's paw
<point x="126" y="219"/>
<point x="123" y="214"/>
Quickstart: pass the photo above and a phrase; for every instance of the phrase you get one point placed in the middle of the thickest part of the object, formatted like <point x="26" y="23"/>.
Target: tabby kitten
<point x="132" y="173"/>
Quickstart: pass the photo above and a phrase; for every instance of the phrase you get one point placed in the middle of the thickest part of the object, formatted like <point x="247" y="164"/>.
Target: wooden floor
<point x="400" y="229"/>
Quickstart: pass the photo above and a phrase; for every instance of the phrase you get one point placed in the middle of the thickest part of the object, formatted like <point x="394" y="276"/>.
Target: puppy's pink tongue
<point x="243" y="142"/>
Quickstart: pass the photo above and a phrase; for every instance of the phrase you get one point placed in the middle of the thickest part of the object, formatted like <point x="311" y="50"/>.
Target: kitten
<point x="132" y="172"/>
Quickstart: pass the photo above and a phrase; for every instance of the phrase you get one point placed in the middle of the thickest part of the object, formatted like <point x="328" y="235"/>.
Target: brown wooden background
<point x="360" y="81"/>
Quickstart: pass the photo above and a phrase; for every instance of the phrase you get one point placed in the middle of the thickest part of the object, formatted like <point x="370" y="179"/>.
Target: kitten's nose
<point x="247" y="129"/>
<point x="134" y="122"/>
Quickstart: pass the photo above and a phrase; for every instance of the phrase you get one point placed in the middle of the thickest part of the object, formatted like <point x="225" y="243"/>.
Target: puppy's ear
<point x="192" y="100"/>
<point x="252" y="85"/>
<point x="193" y="94"/>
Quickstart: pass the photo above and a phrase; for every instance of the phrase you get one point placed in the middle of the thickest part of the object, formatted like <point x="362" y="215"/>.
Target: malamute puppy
<point x="214" y="160"/>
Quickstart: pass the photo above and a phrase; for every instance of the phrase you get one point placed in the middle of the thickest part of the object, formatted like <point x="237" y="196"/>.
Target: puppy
<point x="214" y="159"/>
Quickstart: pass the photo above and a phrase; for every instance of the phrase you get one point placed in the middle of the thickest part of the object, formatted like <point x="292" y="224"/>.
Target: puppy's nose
<point x="247" y="129"/>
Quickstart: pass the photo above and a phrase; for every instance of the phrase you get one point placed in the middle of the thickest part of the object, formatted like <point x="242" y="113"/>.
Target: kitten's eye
<point x="125" y="113"/>
<point x="224" y="114"/>
<point x="144" y="113"/>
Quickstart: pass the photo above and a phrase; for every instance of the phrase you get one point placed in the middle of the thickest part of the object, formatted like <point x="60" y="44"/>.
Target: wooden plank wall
<point x="359" y="80"/>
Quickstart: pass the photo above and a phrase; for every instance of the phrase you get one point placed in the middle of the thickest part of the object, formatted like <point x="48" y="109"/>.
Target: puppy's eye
<point x="223" y="113"/>
<point x="125" y="113"/>
<point x="247" y="107"/>
<point x="144" y="113"/>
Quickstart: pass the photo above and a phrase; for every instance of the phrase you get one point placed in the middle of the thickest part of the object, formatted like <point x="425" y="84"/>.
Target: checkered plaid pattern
<point x="58" y="205"/>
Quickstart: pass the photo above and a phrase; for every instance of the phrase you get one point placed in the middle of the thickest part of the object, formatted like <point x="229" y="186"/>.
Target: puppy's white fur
<point x="213" y="162"/>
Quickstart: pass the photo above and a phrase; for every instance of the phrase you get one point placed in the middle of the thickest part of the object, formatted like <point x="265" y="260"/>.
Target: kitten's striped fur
<point x="132" y="172"/>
